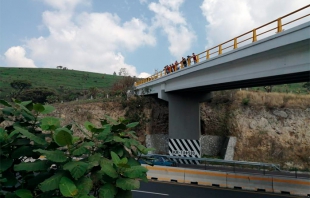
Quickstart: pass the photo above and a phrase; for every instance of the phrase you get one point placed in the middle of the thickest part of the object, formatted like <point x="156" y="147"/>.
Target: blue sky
<point x="139" y="35"/>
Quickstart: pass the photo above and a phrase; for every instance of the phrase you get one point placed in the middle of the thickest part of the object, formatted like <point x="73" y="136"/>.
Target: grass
<point x="273" y="99"/>
<point x="55" y="78"/>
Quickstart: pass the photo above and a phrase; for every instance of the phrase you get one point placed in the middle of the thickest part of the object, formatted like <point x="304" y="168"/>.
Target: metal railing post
<point x="208" y="54"/>
<point x="279" y="25"/>
<point x="254" y="36"/>
<point x="220" y="49"/>
<point x="235" y="43"/>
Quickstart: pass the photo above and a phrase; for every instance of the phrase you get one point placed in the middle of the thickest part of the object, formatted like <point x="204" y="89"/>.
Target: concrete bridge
<point x="278" y="59"/>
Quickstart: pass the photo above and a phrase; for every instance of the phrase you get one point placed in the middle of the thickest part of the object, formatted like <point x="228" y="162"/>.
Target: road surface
<point x="176" y="190"/>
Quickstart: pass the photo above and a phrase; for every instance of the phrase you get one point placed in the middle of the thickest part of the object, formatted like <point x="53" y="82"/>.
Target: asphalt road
<point x="175" y="190"/>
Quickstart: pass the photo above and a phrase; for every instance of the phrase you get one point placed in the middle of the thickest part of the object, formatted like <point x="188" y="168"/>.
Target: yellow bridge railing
<point x="232" y="43"/>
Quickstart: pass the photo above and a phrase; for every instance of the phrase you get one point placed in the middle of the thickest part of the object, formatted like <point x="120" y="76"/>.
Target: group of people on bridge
<point x="183" y="63"/>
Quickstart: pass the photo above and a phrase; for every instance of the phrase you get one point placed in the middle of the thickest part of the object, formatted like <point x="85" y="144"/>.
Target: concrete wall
<point x="159" y="142"/>
<point x="210" y="145"/>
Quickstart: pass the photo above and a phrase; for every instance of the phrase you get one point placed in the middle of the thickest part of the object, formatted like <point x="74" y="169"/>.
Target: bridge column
<point x="184" y="114"/>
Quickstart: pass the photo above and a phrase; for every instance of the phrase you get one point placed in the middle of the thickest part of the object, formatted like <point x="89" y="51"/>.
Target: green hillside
<point x="55" y="78"/>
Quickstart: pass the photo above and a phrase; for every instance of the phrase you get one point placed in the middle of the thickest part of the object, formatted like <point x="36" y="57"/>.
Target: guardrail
<point x="220" y="161"/>
<point x="230" y="44"/>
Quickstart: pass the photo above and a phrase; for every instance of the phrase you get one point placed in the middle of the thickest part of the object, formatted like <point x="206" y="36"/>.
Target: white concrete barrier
<point x="249" y="182"/>
<point x="204" y="177"/>
<point x="293" y="186"/>
<point x="164" y="173"/>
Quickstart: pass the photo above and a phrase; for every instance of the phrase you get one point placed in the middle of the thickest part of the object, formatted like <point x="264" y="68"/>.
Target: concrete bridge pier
<point x="184" y="113"/>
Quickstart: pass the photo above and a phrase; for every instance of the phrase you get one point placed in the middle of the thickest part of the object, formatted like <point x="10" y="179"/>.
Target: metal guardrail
<point x="232" y="43"/>
<point x="232" y="162"/>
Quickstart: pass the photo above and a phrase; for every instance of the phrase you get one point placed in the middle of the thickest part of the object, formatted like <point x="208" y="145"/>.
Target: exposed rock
<point x="280" y="113"/>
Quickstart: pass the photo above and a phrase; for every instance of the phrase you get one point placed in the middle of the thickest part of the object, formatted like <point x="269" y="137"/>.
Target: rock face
<point x="265" y="131"/>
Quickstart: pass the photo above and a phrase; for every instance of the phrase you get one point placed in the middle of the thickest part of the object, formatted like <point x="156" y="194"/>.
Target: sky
<point x="142" y="36"/>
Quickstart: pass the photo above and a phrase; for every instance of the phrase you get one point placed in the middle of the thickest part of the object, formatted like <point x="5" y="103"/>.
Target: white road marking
<point x="150" y="192"/>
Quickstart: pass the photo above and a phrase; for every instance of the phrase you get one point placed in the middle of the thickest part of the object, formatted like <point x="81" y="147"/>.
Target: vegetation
<point x="104" y="164"/>
<point x="57" y="79"/>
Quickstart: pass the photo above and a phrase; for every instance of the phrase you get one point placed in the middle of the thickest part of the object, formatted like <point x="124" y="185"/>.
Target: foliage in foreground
<point x="102" y="165"/>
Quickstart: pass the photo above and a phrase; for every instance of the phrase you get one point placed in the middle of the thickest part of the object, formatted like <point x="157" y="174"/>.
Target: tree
<point x="123" y="72"/>
<point x="114" y="73"/>
<point x="39" y="94"/>
<point x="123" y="85"/>
<point x="19" y="85"/>
<point x="93" y="91"/>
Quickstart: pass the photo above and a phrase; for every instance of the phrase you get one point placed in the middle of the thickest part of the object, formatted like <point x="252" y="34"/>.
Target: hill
<point x="55" y="78"/>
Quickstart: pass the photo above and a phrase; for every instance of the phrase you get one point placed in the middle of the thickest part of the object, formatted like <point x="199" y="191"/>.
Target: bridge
<point x="280" y="58"/>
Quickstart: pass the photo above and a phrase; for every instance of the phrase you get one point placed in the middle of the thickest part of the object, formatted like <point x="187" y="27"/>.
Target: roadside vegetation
<point x="41" y="158"/>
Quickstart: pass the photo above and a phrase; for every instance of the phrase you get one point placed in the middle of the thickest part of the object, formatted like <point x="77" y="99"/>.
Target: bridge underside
<point x="257" y="82"/>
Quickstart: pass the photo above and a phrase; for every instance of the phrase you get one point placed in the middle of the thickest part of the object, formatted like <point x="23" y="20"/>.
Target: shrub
<point x="39" y="94"/>
<point x="104" y="164"/>
<point x="245" y="101"/>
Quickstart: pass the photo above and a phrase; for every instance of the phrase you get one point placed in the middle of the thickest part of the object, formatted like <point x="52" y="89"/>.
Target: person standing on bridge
<point x="184" y="62"/>
<point x="176" y="63"/>
<point x="194" y="58"/>
<point x="188" y="60"/>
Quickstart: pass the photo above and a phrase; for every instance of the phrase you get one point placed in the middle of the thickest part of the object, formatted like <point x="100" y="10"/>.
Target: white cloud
<point x="16" y="57"/>
<point x="87" y="41"/>
<point x="227" y="19"/>
<point x="170" y="19"/>
<point x="143" y="1"/>
<point x="66" y="5"/>
<point x="144" y="75"/>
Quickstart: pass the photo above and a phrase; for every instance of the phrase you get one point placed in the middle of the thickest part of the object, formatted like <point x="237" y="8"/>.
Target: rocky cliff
<point x="269" y="127"/>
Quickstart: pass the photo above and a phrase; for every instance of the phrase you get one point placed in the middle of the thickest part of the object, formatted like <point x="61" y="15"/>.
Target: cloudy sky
<point x="139" y="35"/>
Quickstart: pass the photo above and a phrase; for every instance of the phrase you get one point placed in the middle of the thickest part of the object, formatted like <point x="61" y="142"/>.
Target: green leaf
<point x="24" y="151"/>
<point x="84" y="185"/>
<point x="28" y="116"/>
<point x="54" y="156"/>
<point x="107" y="191"/>
<point x="131" y="125"/>
<point x="67" y="187"/>
<point x="80" y="151"/>
<point x="123" y="161"/>
<point x="30" y="135"/>
<point x="76" y="168"/>
<point x="31" y="166"/>
<point x="135" y="172"/>
<point x="5" y="103"/>
<point x="108" y="169"/>
<point x="115" y="158"/>
<point x="118" y="139"/>
<point x="23" y="193"/>
<point x="38" y="107"/>
<point x="3" y="135"/>
<point x="8" y="111"/>
<point x="37" y="179"/>
<point x="88" y="125"/>
<point x="48" y="109"/>
<point x="83" y="148"/>
<point x="51" y="183"/>
<point x="50" y="123"/>
<point x="63" y="137"/>
<point x="95" y="159"/>
<point x="133" y="162"/>
<point x="127" y="184"/>
<point x="5" y="164"/>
